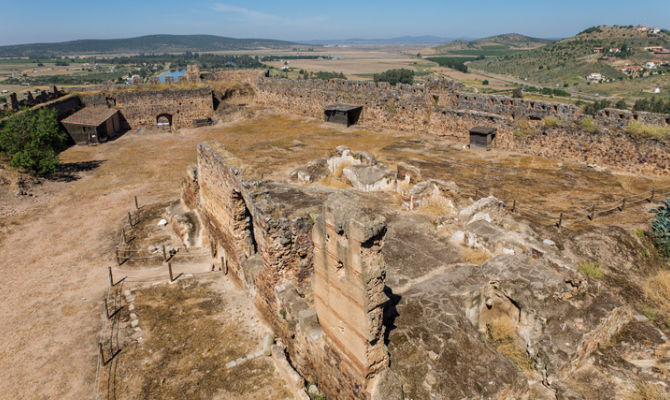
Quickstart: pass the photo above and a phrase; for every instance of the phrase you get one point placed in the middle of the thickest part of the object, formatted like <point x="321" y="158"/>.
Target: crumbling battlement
<point x="142" y="108"/>
<point x="448" y="94"/>
<point x="437" y="108"/>
<point x="29" y="100"/>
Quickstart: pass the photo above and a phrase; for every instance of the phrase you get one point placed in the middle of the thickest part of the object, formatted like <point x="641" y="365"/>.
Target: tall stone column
<point x="349" y="283"/>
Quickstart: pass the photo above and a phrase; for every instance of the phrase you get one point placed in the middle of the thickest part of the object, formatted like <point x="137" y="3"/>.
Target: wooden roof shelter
<point x="483" y="136"/>
<point x="346" y="114"/>
<point x="92" y="125"/>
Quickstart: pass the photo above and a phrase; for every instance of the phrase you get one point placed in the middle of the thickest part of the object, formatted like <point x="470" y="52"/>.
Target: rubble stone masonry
<point x="439" y="107"/>
<point x="141" y="108"/>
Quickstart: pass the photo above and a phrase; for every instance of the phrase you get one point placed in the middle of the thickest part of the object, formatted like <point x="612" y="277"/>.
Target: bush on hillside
<point x="395" y="76"/>
<point x="643" y="130"/>
<point x="661" y="227"/>
<point x="32" y="140"/>
<point x="652" y="105"/>
<point x="593" y="108"/>
<point x="326" y="76"/>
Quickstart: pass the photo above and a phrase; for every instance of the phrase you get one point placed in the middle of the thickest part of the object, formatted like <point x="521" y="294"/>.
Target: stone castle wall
<point x="141" y="108"/>
<point x="439" y="108"/>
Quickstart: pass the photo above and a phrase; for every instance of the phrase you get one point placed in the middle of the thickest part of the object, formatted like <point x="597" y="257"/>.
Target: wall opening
<point x="164" y="120"/>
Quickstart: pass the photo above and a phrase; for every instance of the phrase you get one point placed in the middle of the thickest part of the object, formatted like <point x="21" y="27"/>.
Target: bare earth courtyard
<point x="56" y="247"/>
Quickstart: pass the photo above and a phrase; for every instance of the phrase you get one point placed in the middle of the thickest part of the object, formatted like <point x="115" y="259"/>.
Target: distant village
<point x="631" y="70"/>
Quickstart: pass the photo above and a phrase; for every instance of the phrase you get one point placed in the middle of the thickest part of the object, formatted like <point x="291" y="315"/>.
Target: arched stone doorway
<point x="164" y="121"/>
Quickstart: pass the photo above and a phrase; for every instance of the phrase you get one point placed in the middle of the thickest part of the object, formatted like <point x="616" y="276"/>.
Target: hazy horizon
<point x="46" y="22"/>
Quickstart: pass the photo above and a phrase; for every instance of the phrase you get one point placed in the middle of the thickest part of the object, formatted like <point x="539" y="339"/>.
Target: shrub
<point x="596" y="106"/>
<point x="523" y="129"/>
<point x="661" y="227"/>
<point x="485" y="82"/>
<point x="640" y="129"/>
<point x="517" y="93"/>
<point x="325" y="75"/>
<point x="551" y="122"/>
<point x="588" y="124"/>
<point x="591" y="270"/>
<point x="621" y="105"/>
<point x="395" y="76"/>
<point x="32" y="140"/>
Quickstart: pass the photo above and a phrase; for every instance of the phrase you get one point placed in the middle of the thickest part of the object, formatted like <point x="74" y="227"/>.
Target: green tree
<point x="661" y="227"/>
<point x="485" y="82"/>
<point x="517" y="93"/>
<point x="32" y="140"/>
<point x="395" y="76"/>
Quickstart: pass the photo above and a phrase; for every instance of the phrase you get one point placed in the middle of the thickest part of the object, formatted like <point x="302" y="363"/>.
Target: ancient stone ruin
<point x="440" y="107"/>
<point x="370" y="294"/>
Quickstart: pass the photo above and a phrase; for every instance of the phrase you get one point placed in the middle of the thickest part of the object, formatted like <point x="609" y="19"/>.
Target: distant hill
<point x="569" y="60"/>
<point x="409" y="40"/>
<point x="509" y="41"/>
<point x="143" y="44"/>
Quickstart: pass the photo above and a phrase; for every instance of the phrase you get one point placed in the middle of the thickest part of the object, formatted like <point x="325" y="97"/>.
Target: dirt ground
<point x="57" y="244"/>
<point x="187" y="332"/>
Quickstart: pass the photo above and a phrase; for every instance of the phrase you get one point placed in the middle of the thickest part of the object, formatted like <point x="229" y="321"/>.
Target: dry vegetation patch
<point x="502" y="332"/>
<point x="191" y="332"/>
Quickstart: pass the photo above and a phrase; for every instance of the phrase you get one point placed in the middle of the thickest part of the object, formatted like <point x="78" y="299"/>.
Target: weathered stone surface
<point x="408" y="173"/>
<point x="370" y="178"/>
<point x="310" y="172"/>
<point x="349" y="281"/>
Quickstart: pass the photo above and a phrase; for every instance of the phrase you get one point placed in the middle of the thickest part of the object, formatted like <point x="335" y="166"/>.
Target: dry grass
<point x="657" y="290"/>
<point x="643" y="130"/>
<point x="646" y="391"/>
<point x="475" y="256"/>
<point x="437" y="205"/>
<point x="523" y="129"/>
<point x="189" y="340"/>
<point x="502" y="332"/>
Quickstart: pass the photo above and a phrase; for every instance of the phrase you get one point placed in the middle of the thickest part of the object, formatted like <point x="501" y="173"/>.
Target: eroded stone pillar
<point x="349" y="283"/>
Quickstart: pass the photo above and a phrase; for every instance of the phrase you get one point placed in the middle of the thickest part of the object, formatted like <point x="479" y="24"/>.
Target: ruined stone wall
<point x="620" y="118"/>
<point x="222" y="205"/>
<point x="141" y="108"/>
<point x="438" y="108"/>
<point x="266" y="232"/>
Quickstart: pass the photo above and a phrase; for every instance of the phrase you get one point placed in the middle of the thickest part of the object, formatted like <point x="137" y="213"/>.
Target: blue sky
<point x="24" y="21"/>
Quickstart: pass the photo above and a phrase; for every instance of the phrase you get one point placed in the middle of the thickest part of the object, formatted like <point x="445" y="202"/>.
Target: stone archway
<point x="164" y="121"/>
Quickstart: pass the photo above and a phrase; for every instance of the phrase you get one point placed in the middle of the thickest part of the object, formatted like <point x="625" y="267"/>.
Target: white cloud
<point x="245" y="12"/>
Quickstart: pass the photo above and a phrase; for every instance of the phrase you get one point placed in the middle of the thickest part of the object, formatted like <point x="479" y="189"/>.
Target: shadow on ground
<point x="69" y="172"/>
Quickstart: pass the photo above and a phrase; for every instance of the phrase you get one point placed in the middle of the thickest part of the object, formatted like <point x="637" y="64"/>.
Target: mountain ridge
<point x="161" y="43"/>
<point x="507" y="40"/>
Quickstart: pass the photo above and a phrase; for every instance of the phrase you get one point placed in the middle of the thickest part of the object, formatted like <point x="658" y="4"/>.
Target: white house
<point x="595" y="77"/>
<point x="650" y="65"/>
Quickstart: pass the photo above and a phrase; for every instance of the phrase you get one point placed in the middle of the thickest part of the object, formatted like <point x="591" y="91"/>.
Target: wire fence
<point x="566" y="218"/>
